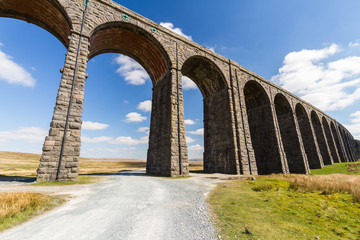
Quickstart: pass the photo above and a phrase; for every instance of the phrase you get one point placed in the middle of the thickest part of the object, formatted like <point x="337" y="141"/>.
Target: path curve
<point x="131" y="206"/>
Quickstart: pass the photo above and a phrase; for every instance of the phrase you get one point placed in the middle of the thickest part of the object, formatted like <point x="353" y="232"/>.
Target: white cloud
<point x="355" y="44"/>
<point x="198" y="132"/>
<point x="188" y="84"/>
<point x="127" y="141"/>
<point x="189" y="122"/>
<point x="87" y="139"/>
<point x="135" y="117"/>
<point x="356" y="117"/>
<point x="122" y="140"/>
<point x="88" y="125"/>
<point x="189" y="140"/>
<point x="145" y="106"/>
<point x="1" y="44"/>
<point x="28" y="134"/>
<point x="328" y="85"/>
<point x="13" y="73"/>
<point x="170" y="26"/>
<point x="196" y="147"/>
<point x="354" y="128"/>
<point x="132" y="71"/>
<point x="143" y="129"/>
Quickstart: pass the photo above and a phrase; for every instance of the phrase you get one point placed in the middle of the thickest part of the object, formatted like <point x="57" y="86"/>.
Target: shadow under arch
<point x="337" y="142"/>
<point x="133" y="41"/>
<point x="315" y="161"/>
<point x="47" y="14"/>
<point x="218" y="135"/>
<point x="289" y="135"/>
<point x="320" y="138"/>
<point x="346" y="144"/>
<point x="330" y="140"/>
<point x="262" y="129"/>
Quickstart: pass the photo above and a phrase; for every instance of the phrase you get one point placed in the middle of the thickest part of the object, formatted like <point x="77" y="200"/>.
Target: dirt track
<point x="129" y="205"/>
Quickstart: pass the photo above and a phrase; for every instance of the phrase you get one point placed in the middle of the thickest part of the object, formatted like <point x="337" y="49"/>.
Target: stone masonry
<point x="251" y="126"/>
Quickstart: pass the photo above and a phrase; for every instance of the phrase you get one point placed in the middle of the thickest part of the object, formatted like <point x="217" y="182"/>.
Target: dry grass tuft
<point x="17" y="202"/>
<point x="327" y="184"/>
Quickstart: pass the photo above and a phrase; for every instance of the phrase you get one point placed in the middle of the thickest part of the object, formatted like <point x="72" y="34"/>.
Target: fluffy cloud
<point x="354" y="127"/>
<point x="143" y="129"/>
<point x="198" y="132"/>
<point x="28" y="134"/>
<point x="189" y="122"/>
<point x="355" y="44"/>
<point x="189" y="140"/>
<point x="87" y="125"/>
<point x="328" y="85"/>
<point x="188" y="84"/>
<point x="135" y="117"/>
<point x="132" y="71"/>
<point x="87" y="139"/>
<point x="122" y="140"/>
<point x="196" y="147"/>
<point x="145" y="106"/>
<point x="170" y="26"/>
<point x="13" y="73"/>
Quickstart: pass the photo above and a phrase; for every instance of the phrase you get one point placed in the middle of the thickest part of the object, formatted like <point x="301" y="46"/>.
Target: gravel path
<point x="130" y="205"/>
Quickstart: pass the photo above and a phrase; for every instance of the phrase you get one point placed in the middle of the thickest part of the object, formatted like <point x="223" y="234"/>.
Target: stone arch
<point x="47" y="14"/>
<point x="289" y="136"/>
<point x="262" y="129"/>
<point x="218" y="134"/>
<point x="346" y="143"/>
<point x="133" y="41"/>
<point x="330" y="140"/>
<point x="337" y="142"/>
<point x="320" y="138"/>
<point x="315" y="161"/>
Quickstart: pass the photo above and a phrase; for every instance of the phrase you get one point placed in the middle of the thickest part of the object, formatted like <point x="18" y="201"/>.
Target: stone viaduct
<point x="251" y="125"/>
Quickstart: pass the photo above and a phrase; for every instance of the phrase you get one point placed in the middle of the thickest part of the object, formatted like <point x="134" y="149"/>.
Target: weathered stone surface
<point x="251" y="126"/>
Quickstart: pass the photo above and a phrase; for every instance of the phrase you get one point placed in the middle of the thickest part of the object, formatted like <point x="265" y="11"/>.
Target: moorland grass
<point x="274" y="209"/>
<point x="17" y="207"/>
<point x="352" y="168"/>
<point x="81" y="180"/>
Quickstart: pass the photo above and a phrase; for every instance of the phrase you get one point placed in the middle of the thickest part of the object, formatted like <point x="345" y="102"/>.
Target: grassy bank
<point x="278" y="209"/>
<point x="18" y="207"/>
<point x="352" y="168"/>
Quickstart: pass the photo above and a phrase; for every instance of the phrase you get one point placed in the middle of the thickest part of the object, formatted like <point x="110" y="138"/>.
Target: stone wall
<point x="251" y="125"/>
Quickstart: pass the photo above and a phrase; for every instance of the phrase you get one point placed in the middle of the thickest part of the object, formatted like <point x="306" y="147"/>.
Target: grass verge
<point x="275" y="209"/>
<point x="17" y="207"/>
<point x="342" y="168"/>
<point x="81" y="180"/>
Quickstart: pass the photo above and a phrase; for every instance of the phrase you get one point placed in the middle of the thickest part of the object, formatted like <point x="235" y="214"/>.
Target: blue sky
<point x="311" y="48"/>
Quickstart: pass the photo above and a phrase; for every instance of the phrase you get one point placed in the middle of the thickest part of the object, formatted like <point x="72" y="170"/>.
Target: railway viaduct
<point x="251" y="126"/>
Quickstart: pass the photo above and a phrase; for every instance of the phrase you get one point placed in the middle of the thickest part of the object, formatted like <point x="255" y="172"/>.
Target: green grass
<point x="18" y="207"/>
<point x="81" y="180"/>
<point x="270" y="209"/>
<point x="341" y="168"/>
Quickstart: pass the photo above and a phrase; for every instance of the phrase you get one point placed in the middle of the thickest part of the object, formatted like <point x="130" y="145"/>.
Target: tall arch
<point x="141" y="45"/>
<point x="133" y="41"/>
<point x="347" y="145"/>
<point x="320" y="138"/>
<point x="289" y="136"/>
<point x="337" y="142"/>
<point x="315" y="160"/>
<point x="47" y="14"/>
<point x="262" y="129"/>
<point x="330" y="141"/>
<point x="218" y="135"/>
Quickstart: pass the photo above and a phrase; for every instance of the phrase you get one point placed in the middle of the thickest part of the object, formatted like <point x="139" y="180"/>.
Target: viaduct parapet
<point x="251" y="126"/>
